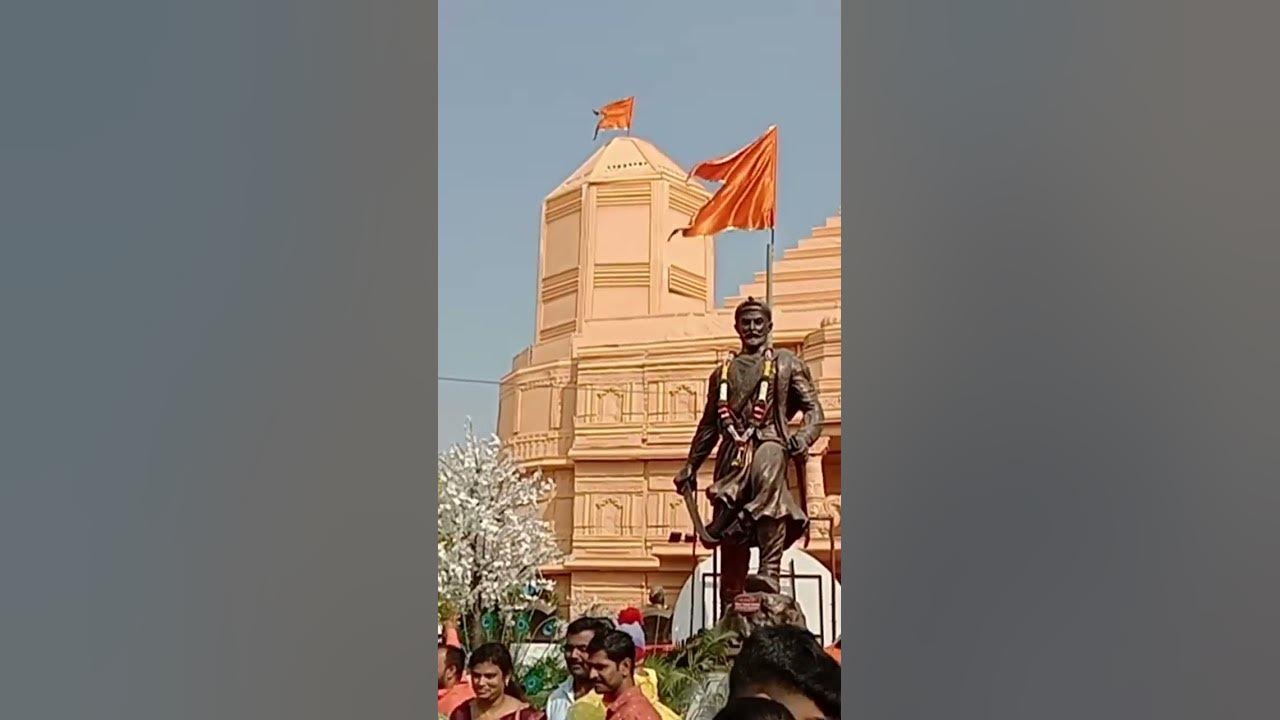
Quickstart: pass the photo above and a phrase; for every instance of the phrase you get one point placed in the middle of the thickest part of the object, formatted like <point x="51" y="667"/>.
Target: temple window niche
<point x="683" y="403"/>
<point x="609" y="406"/>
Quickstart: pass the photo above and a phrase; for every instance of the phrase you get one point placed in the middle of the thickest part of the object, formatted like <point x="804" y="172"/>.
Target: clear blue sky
<point x="518" y="81"/>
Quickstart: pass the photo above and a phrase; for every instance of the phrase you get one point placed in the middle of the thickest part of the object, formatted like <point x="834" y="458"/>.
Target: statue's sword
<point x="691" y="503"/>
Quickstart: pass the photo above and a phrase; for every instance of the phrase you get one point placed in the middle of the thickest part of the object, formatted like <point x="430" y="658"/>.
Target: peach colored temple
<point x="606" y="399"/>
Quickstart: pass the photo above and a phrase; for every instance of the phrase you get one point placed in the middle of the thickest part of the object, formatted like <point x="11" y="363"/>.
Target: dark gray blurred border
<point x="431" y="322"/>
<point x="1062" y="238"/>
<point x="217" y="336"/>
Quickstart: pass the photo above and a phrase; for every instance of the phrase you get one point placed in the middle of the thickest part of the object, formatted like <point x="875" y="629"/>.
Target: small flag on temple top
<point x="748" y="198"/>
<point x="615" y="116"/>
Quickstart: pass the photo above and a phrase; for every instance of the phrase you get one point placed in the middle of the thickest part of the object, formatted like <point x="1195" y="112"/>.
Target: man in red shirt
<point x="612" y="659"/>
<point x="454" y="688"/>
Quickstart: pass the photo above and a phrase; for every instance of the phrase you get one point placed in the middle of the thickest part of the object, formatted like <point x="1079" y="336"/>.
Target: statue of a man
<point x="751" y="398"/>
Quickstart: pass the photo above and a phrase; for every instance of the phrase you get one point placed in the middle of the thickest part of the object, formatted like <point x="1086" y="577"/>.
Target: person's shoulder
<point x="640" y="705"/>
<point x="529" y="712"/>
<point x="559" y="702"/>
<point x="787" y="357"/>
<point x="647" y="709"/>
<point x="563" y="691"/>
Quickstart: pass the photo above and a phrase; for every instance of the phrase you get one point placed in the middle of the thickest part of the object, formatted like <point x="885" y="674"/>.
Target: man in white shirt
<point x="577" y="637"/>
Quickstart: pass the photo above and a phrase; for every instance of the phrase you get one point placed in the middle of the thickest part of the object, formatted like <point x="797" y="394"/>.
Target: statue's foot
<point x="762" y="584"/>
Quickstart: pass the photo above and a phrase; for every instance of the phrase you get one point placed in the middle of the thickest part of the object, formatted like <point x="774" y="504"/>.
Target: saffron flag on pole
<point x="748" y="198"/>
<point x="615" y="116"/>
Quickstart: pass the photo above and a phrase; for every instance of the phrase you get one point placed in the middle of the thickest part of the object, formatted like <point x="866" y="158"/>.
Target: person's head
<point x="612" y="659"/>
<point x="754" y="321"/>
<point x="577" y="637"/>
<point x="452" y="662"/>
<point x="493" y="673"/>
<point x="787" y="664"/>
<point x="754" y="708"/>
<point x="636" y="633"/>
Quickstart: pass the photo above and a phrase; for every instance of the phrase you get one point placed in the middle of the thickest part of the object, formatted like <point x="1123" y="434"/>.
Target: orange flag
<point x="748" y="198"/>
<point x="615" y="116"/>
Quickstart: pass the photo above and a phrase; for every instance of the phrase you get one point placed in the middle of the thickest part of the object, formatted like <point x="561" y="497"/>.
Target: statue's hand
<point x="796" y="445"/>
<point x="686" y="479"/>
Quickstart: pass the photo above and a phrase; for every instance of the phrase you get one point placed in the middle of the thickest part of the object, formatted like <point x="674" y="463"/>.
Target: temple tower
<point x="604" y="251"/>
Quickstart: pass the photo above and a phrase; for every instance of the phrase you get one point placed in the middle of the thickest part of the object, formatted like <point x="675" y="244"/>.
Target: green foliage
<point x="511" y="627"/>
<point x="675" y="683"/>
<point x="541" y="677"/>
<point x="682" y="671"/>
<point x="445" y="610"/>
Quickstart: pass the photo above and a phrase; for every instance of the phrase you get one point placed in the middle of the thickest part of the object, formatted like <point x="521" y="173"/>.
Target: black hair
<point x="595" y="626"/>
<point x="752" y="304"/>
<point x="789" y="657"/>
<point x="497" y="654"/>
<point x="617" y="646"/>
<point x="455" y="658"/>
<point x="754" y="708"/>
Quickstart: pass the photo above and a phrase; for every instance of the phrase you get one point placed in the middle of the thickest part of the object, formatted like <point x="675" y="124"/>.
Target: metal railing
<point x="710" y="584"/>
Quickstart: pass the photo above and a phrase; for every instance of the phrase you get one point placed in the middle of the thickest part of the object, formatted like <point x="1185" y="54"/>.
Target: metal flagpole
<point x="768" y="259"/>
<point x="768" y="272"/>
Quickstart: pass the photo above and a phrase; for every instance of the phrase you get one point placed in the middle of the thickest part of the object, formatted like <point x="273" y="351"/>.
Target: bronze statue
<point x="751" y="399"/>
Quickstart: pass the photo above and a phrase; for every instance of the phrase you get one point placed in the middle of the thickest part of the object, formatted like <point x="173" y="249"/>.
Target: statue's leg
<point x="769" y="485"/>
<point x="735" y="559"/>
<point x="771" y="536"/>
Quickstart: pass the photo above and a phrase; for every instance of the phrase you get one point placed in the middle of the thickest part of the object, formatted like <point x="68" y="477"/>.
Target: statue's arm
<point x="802" y="397"/>
<point x="708" y="432"/>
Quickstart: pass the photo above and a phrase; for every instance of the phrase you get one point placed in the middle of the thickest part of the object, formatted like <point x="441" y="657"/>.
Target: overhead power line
<point x="468" y="381"/>
<point x="479" y="381"/>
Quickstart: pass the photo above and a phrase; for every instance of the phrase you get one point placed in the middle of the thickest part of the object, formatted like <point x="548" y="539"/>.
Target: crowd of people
<point x="780" y="673"/>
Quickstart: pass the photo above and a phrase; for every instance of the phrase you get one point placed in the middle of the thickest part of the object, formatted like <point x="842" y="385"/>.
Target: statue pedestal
<point x="752" y="610"/>
<point x="816" y="596"/>
<point x="748" y="611"/>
